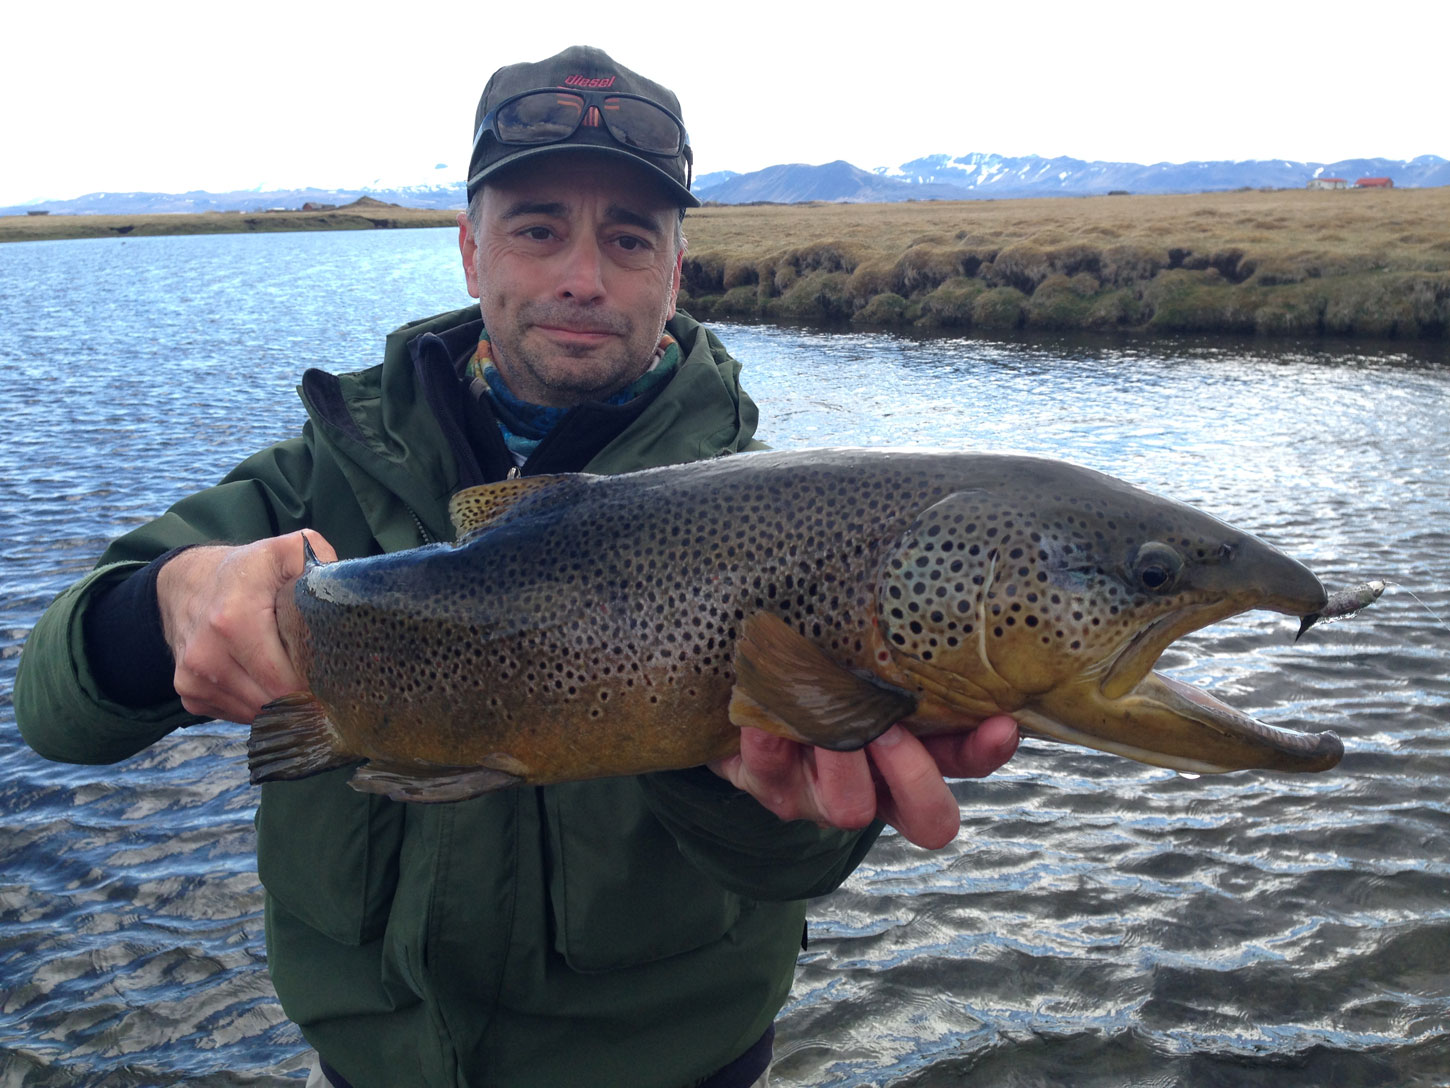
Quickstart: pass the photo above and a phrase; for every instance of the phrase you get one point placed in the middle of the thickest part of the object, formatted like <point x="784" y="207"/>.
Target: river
<point x="1097" y="922"/>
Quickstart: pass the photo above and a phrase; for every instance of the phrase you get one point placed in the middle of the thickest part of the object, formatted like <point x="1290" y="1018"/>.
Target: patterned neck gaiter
<point x="524" y="424"/>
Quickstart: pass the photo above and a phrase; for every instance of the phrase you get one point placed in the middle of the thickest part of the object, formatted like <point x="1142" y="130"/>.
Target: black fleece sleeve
<point x="126" y="643"/>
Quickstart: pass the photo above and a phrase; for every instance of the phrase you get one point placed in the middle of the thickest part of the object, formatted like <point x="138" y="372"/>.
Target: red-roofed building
<point x="1374" y="183"/>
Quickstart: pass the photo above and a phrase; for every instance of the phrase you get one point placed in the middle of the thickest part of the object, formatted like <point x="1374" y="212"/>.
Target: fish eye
<point x="1156" y="567"/>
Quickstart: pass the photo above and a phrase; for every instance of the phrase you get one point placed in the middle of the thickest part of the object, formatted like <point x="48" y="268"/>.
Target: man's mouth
<point x="577" y="330"/>
<point x="575" y="336"/>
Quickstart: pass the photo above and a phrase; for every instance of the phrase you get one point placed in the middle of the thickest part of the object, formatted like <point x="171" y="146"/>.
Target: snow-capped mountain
<point x="931" y="177"/>
<point x="973" y="176"/>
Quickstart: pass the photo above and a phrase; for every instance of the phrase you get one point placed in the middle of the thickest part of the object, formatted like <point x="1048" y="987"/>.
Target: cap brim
<point x="681" y="195"/>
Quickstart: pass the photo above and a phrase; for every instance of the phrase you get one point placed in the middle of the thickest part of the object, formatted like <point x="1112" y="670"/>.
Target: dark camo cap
<point x="582" y="68"/>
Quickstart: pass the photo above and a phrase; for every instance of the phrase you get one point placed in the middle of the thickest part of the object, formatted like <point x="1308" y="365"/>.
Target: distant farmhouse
<point x="1340" y="183"/>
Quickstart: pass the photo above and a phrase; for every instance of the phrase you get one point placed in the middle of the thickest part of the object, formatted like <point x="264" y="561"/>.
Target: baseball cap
<point x="580" y="100"/>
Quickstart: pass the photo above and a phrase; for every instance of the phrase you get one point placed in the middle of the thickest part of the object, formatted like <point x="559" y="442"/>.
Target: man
<point x="628" y="931"/>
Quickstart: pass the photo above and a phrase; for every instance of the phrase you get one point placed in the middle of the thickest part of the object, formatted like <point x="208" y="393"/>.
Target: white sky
<point x="163" y="96"/>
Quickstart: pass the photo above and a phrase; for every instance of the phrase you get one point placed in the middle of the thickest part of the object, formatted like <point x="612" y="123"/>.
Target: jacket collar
<point x="400" y="439"/>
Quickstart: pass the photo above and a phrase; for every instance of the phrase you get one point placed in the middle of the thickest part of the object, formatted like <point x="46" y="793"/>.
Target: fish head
<point x="1051" y="592"/>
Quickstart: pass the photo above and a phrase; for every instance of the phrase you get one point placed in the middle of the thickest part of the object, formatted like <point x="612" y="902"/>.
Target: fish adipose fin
<point x="430" y="782"/>
<point x="292" y="738"/>
<point x="787" y="685"/>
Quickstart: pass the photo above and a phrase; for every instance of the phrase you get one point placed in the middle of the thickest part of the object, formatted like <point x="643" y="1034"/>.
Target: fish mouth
<point x="1136" y="660"/>
<point x="1294" y="591"/>
<point x="1167" y="723"/>
<point x="1133" y="711"/>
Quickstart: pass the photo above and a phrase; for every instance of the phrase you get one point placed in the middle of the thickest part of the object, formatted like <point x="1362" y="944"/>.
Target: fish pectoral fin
<point x="474" y="509"/>
<point x="293" y="738"/>
<point x="787" y="685"/>
<point x="433" y="783"/>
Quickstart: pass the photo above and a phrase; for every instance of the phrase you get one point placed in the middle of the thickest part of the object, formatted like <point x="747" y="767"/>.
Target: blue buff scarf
<point x="524" y="425"/>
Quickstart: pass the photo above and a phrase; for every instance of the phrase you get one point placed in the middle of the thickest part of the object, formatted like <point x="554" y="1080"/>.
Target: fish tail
<point x="293" y="738"/>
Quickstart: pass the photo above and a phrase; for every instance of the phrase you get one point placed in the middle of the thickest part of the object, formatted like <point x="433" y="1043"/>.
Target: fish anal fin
<point x="474" y="509"/>
<point x="293" y="738"/>
<point x="787" y="685"/>
<point x="432" y="783"/>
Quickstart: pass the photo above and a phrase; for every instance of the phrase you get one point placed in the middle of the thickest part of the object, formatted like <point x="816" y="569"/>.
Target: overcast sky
<point x="152" y="95"/>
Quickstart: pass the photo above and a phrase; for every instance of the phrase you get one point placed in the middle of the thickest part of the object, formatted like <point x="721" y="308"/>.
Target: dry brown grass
<point x="1288" y="262"/>
<point x="32" y="228"/>
<point x="1376" y="262"/>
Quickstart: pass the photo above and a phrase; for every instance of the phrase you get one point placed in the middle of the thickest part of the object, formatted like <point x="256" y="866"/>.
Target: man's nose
<point x="583" y="278"/>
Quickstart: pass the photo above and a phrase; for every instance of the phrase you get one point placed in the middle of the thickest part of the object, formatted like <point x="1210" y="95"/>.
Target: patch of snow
<point x="1318" y="172"/>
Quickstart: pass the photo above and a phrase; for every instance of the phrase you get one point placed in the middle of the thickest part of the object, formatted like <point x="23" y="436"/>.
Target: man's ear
<point x="675" y="283"/>
<point x="468" y="250"/>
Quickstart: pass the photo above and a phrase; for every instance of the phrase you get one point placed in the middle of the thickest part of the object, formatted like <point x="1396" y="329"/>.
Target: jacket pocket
<point x="329" y="854"/>
<point x="620" y="891"/>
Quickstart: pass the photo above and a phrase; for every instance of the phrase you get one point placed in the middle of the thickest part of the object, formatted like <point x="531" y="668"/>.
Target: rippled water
<point x="1096" y="923"/>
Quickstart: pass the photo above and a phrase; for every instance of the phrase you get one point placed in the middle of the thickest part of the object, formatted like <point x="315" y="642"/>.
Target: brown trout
<point x="586" y="626"/>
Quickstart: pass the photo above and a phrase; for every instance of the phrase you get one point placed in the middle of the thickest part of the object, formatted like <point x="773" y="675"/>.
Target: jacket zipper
<point x="423" y="532"/>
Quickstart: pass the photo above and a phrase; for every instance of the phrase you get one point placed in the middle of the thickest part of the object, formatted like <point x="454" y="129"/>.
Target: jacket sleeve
<point x="745" y="847"/>
<point x="60" y="707"/>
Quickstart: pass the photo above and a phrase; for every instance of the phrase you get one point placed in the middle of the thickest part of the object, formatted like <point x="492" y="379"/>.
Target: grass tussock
<point x="1287" y="263"/>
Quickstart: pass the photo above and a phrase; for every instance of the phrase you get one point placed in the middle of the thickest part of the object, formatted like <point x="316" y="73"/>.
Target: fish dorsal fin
<point x="787" y="685"/>
<point x="475" y="509"/>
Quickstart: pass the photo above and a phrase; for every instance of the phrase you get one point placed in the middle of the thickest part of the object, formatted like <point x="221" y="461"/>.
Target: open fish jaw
<point x="1167" y="723"/>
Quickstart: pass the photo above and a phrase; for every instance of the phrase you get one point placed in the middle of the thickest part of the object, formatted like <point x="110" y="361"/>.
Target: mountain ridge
<point x="972" y="176"/>
<point x="977" y="176"/>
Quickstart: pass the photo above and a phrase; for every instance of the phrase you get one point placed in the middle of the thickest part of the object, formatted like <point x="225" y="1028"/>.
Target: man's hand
<point x="898" y="777"/>
<point x="219" y="614"/>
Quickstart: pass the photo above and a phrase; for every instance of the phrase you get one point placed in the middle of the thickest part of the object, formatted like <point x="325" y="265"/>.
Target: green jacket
<point x="630" y="931"/>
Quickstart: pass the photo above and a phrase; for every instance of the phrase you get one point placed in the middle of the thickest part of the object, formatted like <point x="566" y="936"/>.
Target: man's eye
<point x="629" y="243"/>
<point x="538" y="234"/>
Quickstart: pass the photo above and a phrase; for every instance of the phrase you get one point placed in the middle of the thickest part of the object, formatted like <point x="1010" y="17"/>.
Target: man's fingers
<point x="798" y="782"/>
<point x="898" y="778"/>
<point x="223" y="690"/>
<point x="768" y="758"/>
<point x="844" y="791"/>
<point x="219" y="612"/>
<point x="768" y="768"/>
<point x="978" y="753"/>
<point x="918" y="802"/>
<point x="244" y="628"/>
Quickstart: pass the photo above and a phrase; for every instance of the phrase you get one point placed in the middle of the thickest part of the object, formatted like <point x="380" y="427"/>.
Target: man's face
<point x="575" y="269"/>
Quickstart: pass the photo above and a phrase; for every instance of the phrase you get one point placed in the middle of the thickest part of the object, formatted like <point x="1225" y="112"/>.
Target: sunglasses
<point x="547" y="117"/>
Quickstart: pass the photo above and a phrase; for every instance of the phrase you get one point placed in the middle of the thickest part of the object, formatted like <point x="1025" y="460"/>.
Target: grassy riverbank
<point x="1289" y="262"/>
<point x="365" y="214"/>
<point x="1295" y="263"/>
